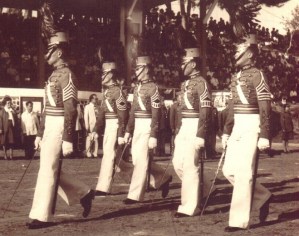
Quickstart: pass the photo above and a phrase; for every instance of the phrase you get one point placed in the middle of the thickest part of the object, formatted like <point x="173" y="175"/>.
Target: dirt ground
<point x="109" y="216"/>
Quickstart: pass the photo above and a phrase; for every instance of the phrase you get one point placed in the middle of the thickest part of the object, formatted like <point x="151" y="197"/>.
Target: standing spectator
<point x="79" y="130"/>
<point x="30" y="126"/>
<point x="7" y="123"/>
<point x="92" y="144"/>
<point x="287" y="127"/>
<point x="293" y="95"/>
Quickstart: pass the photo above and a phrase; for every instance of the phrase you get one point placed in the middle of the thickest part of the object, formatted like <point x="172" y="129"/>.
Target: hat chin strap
<point x="140" y="72"/>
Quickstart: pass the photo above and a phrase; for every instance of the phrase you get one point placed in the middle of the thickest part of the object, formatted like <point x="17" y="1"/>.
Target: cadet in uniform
<point x="246" y="128"/>
<point x="195" y="111"/>
<point x="114" y="114"/>
<point x="144" y="121"/>
<point x="55" y="136"/>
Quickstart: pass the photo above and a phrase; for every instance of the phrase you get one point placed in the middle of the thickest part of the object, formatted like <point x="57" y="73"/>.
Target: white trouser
<point x="140" y="161"/>
<point x="70" y="189"/>
<point x="107" y="165"/>
<point x="186" y="165"/>
<point x="92" y="148"/>
<point x="239" y="167"/>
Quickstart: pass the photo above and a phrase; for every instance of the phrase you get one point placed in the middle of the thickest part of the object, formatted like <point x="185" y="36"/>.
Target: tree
<point x="293" y="23"/>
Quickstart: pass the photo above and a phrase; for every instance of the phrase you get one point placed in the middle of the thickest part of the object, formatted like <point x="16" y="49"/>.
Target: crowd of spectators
<point x="279" y="68"/>
<point x="19" y="36"/>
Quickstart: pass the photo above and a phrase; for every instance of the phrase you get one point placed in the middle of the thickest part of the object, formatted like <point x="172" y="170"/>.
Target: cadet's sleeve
<point x="155" y="101"/>
<point x="100" y="120"/>
<point x="264" y="103"/>
<point x="69" y="98"/>
<point x="131" y="122"/>
<point x="41" y="127"/>
<point x="122" y="112"/>
<point x="229" y="119"/>
<point x="204" y="109"/>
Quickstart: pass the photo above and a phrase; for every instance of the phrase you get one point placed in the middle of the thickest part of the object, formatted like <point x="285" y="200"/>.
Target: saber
<point x="10" y="200"/>
<point x="201" y="153"/>
<point x="213" y="183"/>
<point x="121" y="149"/>
<point x="57" y="183"/>
<point x="149" y="167"/>
<point x="254" y="176"/>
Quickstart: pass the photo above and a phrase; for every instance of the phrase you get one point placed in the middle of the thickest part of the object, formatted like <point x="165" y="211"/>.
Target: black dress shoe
<point x="86" y="202"/>
<point x="129" y="201"/>
<point x="100" y="193"/>
<point x="264" y="210"/>
<point x="180" y="215"/>
<point x="232" y="229"/>
<point x="165" y="187"/>
<point x="36" y="224"/>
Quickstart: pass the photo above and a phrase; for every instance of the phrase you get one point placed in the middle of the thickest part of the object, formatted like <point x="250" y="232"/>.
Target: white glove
<point x="37" y="142"/>
<point x="67" y="148"/>
<point x="121" y="140"/>
<point x="224" y="140"/>
<point x="263" y="144"/>
<point x="199" y="143"/>
<point x="127" y="137"/>
<point x="152" y="143"/>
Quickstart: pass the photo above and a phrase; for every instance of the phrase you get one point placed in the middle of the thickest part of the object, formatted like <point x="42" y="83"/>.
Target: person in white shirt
<point x="30" y="126"/>
<point x="90" y="121"/>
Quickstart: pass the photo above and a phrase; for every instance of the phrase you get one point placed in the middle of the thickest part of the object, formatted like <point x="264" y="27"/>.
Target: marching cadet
<point x="55" y="136"/>
<point x="144" y="121"/>
<point x="195" y="111"/>
<point x="245" y="130"/>
<point x="114" y="114"/>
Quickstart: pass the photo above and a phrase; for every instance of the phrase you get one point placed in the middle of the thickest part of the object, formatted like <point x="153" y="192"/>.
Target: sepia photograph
<point x="149" y="117"/>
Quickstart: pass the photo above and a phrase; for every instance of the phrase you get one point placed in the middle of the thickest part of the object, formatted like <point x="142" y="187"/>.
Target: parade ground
<point x="154" y="216"/>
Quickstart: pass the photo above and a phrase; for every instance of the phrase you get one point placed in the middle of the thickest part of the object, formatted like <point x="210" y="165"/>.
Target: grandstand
<point x="93" y="24"/>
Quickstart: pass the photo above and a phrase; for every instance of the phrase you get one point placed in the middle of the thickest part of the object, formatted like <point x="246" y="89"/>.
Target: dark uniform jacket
<point x="250" y="94"/>
<point x="146" y="104"/>
<point x="175" y="118"/>
<point x="61" y="100"/>
<point x="196" y="103"/>
<point x="114" y="105"/>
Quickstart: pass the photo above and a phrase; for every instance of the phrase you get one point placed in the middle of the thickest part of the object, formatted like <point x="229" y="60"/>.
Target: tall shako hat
<point x="108" y="67"/>
<point x="246" y="42"/>
<point x="143" y="61"/>
<point x="190" y="54"/>
<point x="50" y="32"/>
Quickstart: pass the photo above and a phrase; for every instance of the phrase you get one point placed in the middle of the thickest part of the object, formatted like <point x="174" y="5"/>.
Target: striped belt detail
<point x="190" y="114"/>
<point x="110" y="115"/>
<point x="246" y="109"/>
<point x="54" y="111"/>
<point x="142" y="114"/>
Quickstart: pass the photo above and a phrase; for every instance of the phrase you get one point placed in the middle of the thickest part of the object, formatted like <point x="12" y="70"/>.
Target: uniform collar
<point x="63" y="65"/>
<point x="197" y="74"/>
<point x="145" y="81"/>
<point x="110" y="86"/>
<point x="246" y="67"/>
